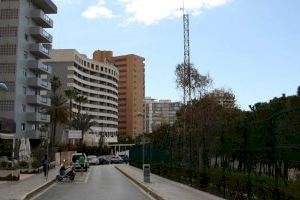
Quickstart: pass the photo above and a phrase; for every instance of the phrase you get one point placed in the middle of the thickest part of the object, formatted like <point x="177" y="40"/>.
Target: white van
<point x="75" y="161"/>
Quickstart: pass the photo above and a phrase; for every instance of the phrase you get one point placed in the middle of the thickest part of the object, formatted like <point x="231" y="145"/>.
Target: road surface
<point x="102" y="182"/>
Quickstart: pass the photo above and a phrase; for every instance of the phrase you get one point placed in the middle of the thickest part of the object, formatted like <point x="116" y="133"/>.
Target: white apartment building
<point x="158" y="113"/>
<point x="98" y="81"/>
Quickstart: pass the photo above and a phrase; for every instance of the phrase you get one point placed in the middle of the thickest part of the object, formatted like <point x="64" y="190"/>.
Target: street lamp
<point x="141" y="114"/>
<point x="146" y="167"/>
<point x="3" y="88"/>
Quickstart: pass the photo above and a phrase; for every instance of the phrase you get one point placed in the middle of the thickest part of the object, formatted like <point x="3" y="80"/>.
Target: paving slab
<point x="165" y="189"/>
<point x="18" y="190"/>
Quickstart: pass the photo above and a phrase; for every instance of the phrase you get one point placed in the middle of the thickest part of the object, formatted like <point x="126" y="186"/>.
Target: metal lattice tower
<point x="187" y="63"/>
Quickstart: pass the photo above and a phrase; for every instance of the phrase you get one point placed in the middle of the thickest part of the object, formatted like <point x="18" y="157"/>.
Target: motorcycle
<point x="66" y="172"/>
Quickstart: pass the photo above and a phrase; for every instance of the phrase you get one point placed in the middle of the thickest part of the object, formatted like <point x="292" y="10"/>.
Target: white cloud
<point x="152" y="11"/>
<point x="98" y="11"/>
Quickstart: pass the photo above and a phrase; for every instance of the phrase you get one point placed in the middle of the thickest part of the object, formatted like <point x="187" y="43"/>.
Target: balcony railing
<point x="38" y="100"/>
<point x="39" y="67"/>
<point x="46" y="5"/>
<point x="41" y="51"/>
<point x="36" y="134"/>
<point x="39" y="17"/>
<point x="39" y="83"/>
<point x="40" y="35"/>
<point x="38" y="117"/>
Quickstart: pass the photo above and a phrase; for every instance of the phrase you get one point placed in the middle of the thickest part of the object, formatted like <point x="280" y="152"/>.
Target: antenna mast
<point x="187" y="64"/>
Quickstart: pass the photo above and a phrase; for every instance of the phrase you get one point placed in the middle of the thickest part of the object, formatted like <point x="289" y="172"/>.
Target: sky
<point x="249" y="46"/>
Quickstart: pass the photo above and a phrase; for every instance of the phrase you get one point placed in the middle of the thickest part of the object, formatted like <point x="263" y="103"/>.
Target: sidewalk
<point x="162" y="188"/>
<point x="19" y="189"/>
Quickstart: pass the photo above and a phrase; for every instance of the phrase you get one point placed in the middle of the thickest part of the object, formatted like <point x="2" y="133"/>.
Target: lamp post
<point x="141" y="114"/>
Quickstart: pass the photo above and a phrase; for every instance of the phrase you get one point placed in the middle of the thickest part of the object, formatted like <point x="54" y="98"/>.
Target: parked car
<point x="93" y="160"/>
<point x="125" y="158"/>
<point x="116" y="159"/>
<point x="75" y="161"/>
<point x="103" y="160"/>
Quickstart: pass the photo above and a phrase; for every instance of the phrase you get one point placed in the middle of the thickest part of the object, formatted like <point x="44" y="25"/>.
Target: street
<point x="100" y="182"/>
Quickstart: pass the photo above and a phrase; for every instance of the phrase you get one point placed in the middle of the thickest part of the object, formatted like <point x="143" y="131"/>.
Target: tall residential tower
<point x="131" y="90"/>
<point x="23" y="43"/>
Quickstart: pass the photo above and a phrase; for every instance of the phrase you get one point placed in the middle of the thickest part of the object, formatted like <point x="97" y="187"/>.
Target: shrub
<point x="36" y="164"/>
<point x="23" y="164"/>
<point x="3" y="164"/>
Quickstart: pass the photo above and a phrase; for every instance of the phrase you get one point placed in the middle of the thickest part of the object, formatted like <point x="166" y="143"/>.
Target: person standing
<point x="46" y="166"/>
<point x="81" y="163"/>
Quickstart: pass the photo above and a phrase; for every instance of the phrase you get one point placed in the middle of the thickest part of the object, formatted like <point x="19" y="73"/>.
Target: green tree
<point x="71" y="94"/>
<point x="58" y="113"/>
<point x="83" y="122"/>
<point x="55" y="84"/>
<point x="81" y="100"/>
<point x="199" y="83"/>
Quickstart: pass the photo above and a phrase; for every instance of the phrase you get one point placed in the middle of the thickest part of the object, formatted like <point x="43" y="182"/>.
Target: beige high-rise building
<point x="131" y="90"/>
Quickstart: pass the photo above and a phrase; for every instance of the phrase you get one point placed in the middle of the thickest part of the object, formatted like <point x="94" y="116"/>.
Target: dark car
<point x="125" y="158"/>
<point x="103" y="160"/>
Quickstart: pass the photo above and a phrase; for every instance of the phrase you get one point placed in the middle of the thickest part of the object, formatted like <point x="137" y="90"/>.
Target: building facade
<point x="23" y="43"/>
<point x="131" y="90"/>
<point x="98" y="82"/>
<point x="158" y="113"/>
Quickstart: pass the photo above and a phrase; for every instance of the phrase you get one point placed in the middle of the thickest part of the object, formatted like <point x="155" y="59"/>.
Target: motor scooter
<point x="66" y="173"/>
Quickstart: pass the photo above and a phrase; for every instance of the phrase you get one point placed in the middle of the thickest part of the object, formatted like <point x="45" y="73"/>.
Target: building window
<point x="8" y="49"/>
<point x="23" y="108"/>
<point x="9" y="13"/>
<point x="24" y="72"/>
<point x="9" y="31"/>
<point x="23" y="126"/>
<point x="7" y="68"/>
<point x="24" y="90"/>
<point x="7" y="105"/>
<point x="33" y="127"/>
<point x="25" y="54"/>
<point x="26" y="37"/>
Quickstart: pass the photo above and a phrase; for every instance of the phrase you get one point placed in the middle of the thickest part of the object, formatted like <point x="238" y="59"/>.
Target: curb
<point x="38" y="189"/>
<point x="153" y="194"/>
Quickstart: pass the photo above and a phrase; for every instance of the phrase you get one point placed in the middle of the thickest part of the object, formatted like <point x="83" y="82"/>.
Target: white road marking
<point x="87" y="177"/>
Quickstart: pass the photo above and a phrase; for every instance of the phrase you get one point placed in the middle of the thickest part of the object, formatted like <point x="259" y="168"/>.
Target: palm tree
<point x="81" y="100"/>
<point x="82" y="122"/>
<point x="58" y="110"/>
<point x="71" y="94"/>
<point x="58" y="113"/>
<point x="55" y="84"/>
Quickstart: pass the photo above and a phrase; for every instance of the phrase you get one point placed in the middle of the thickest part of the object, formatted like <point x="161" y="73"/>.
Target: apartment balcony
<point x="38" y="117"/>
<point x="46" y="5"/>
<point x="39" y="67"/>
<point x="40" y="35"/>
<point x="39" y="83"/>
<point x="36" y="134"/>
<point x="39" y="17"/>
<point x="38" y="100"/>
<point x="41" y="51"/>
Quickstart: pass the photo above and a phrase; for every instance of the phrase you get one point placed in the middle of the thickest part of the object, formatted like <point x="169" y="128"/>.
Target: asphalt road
<point x="102" y="182"/>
